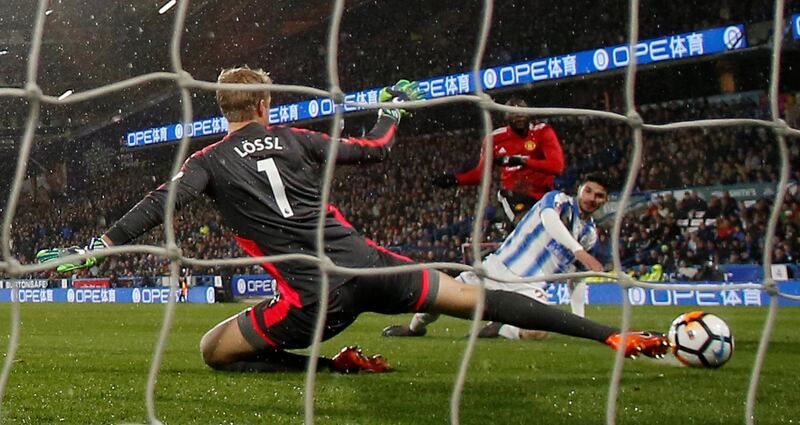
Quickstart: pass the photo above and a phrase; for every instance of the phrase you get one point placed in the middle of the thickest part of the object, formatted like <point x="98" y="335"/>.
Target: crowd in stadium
<point x="727" y="232"/>
<point x="434" y="41"/>
<point x="426" y="38"/>
<point x="395" y="203"/>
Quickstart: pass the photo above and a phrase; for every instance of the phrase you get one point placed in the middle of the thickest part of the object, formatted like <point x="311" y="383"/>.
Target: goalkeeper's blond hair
<point x="240" y="105"/>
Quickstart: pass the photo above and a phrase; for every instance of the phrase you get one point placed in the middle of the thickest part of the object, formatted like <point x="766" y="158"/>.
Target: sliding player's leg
<point x="535" y="290"/>
<point x="226" y="348"/>
<point x="239" y="344"/>
<point x="577" y="297"/>
<point x="420" y="321"/>
<point x="417" y="327"/>
<point x="225" y="344"/>
<point x="256" y="339"/>
<point x="457" y="299"/>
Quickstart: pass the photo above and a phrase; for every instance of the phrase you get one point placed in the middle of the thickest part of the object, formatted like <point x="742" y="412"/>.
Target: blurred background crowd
<point x="396" y="204"/>
<point x="80" y="178"/>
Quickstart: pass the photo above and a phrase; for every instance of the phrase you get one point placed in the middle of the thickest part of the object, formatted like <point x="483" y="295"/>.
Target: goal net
<point x="474" y="252"/>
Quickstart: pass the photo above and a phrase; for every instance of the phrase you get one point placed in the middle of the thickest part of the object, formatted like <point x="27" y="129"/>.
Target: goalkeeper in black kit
<point x="266" y="182"/>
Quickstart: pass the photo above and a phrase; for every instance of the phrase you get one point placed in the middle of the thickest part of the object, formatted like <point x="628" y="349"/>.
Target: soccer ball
<point x="701" y="339"/>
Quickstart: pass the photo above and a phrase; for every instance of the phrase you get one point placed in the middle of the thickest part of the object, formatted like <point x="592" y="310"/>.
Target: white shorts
<point x="495" y="267"/>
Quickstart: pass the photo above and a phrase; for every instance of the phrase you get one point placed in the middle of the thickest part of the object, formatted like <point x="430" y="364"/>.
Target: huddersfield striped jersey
<point x="530" y="251"/>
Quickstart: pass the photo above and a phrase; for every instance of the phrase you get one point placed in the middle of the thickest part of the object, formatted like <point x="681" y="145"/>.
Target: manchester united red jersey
<point x="537" y="176"/>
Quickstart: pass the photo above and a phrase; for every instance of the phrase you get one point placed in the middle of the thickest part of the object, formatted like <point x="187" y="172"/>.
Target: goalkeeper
<point x="530" y="156"/>
<point x="266" y="183"/>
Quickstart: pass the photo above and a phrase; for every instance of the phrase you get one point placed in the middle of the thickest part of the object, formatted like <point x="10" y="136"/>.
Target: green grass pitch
<point x="88" y="364"/>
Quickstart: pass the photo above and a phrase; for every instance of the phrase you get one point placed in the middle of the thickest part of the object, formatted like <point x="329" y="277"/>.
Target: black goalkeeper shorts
<point x="276" y="323"/>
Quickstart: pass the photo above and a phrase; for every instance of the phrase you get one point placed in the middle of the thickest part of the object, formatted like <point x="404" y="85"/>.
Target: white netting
<point x="170" y="250"/>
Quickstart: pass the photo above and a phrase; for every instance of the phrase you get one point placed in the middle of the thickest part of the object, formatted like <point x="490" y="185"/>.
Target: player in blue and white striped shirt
<point x="539" y="246"/>
<point x="550" y="238"/>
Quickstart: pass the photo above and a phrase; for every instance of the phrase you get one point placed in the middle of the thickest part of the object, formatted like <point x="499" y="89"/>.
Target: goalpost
<point x="170" y="250"/>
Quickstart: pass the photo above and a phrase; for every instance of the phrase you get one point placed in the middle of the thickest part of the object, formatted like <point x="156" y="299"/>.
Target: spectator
<point x="397" y="208"/>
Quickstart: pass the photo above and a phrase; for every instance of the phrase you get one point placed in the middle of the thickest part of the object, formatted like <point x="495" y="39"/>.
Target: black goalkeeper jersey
<point x="266" y="184"/>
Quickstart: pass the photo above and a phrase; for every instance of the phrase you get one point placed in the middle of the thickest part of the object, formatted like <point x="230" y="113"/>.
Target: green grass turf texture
<point x="88" y="364"/>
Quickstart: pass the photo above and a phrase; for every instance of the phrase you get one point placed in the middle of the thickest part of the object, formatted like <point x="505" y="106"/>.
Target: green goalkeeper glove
<point x="52" y="254"/>
<point x="402" y="91"/>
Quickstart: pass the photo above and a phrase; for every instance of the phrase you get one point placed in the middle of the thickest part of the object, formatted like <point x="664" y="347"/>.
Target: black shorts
<point x="276" y="323"/>
<point x="514" y="205"/>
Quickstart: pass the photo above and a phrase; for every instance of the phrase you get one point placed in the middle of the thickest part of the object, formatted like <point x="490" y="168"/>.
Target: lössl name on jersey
<point x="258" y="145"/>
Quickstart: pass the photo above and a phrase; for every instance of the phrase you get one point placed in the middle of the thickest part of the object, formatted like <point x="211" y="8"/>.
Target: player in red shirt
<point x="530" y="156"/>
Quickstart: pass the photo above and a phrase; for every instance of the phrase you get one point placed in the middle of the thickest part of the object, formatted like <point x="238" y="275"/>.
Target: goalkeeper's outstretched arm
<point x="149" y="212"/>
<point x="145" y="215"/>
<point x="191" y="180"/>
<point x="375" y="145"/>
<point x="371" y="148"/>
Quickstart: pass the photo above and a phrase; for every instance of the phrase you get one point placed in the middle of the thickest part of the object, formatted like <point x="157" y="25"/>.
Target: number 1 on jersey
<point x="276" y="183"/>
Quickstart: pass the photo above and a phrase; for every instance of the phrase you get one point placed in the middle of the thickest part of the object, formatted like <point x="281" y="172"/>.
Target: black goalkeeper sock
<point x="526" y="313"/>
<point x="274" y="361"/>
